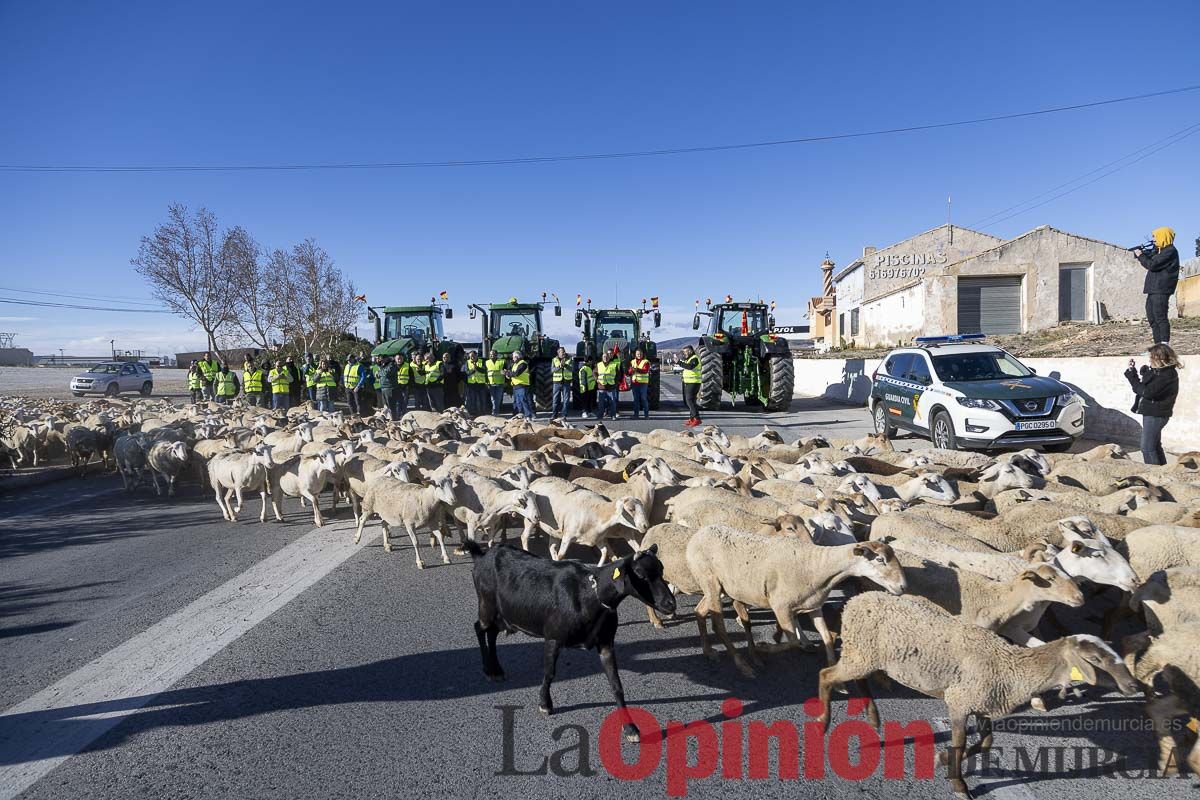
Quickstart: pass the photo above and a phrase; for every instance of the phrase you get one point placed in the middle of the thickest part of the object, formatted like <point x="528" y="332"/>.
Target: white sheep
<point x="166" y="460"/>
<point x="305" y="477"/>
<point x="1169" y="598"/>
<point x="1011" y="608"/>
<point x="409" y="506"/>
<point x="1156" y="547"/>
<point x="578" y="515"/>
<point x="788" y="575"/>
<point x="235" y="472"/>
<point x="973" y="670"/>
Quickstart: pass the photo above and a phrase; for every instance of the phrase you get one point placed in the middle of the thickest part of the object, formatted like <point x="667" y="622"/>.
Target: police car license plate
<point x="1037" y="425"/>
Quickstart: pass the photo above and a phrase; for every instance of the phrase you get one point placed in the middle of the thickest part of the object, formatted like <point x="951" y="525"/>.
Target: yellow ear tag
<point x="616" y="573"/>
<point x="1193" y="725"/>
<point x="625" y="475"/>
<point x="1076" y="675"/>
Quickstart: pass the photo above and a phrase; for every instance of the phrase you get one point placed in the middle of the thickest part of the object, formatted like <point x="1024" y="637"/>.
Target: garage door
<point x="989" y="305"/>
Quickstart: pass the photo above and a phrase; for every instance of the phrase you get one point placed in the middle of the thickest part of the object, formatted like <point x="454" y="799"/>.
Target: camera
<point x="1147" y="247"/>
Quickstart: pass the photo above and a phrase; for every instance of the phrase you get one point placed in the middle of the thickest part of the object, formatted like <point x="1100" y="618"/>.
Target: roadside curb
<point x="39" y="478"/>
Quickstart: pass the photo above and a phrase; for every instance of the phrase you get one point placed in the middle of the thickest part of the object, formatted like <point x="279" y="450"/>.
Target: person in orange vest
<point x="639" y="378"/>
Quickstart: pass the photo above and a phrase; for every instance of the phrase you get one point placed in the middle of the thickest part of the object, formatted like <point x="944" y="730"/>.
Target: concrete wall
<point x="1100" y="381"/>
<point x="1187" y="295"/>
<point x="897" y="317"/>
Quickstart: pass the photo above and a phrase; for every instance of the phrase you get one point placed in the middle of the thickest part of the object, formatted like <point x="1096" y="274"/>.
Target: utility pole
<point x="948" y="223"/>
<point x="112" y="345"/>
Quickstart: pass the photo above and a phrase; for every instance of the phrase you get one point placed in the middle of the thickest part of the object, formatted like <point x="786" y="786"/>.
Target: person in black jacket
<point x="1156" y="387"/>
<point x="1162" y="276"/>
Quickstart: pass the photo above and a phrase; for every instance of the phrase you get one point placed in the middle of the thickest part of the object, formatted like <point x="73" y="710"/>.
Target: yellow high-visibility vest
<point x="433" y="373"/>
<point x="495" y="371"/>
<point x="691" y="370"/>
<point x="325" y="377"/>
<point x="640" y="377"/>
<point x="475" y="372"/>
<point x="279" y="380"/>
<point x="196" y="379"/>
<point x="350" y="375"/>
<point x="606" y="374"/>
<point x="523" y="378"/>
<point x="418" y="372"/>
<point x="226" y="385"/>
<point x="252" y="380"/>
<point x="587" y="378"/>
<point x="403" y="374"/>
<point x="560" y="370"/>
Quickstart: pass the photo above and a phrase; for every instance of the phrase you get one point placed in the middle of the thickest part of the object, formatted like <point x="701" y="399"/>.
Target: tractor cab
<point x="739" y="320"/>
<point x="401" y="330"/>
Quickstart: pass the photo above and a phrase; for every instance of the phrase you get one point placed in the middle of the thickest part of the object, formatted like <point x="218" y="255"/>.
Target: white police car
<point x="962" y="393"/>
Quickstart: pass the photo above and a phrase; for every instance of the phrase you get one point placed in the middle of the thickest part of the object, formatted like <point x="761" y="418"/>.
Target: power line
<point x="16" y="302"/>
<point x="584" y="156"/>
<point x="1145" y="152"/>
<point x="81" y="296"/>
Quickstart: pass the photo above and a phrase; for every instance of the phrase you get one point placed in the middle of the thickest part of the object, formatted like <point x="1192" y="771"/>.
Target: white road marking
<point x="63" y="719"/>
<point x="1008" y="791"/>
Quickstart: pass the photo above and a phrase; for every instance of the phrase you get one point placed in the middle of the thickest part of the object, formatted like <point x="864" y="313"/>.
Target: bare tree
<point x="309" y="297"/>
<point x="186" y="264"/>
<point x="252" y="292"/>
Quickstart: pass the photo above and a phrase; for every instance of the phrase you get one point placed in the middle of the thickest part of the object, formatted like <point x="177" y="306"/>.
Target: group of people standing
<point x="425" y="380"/>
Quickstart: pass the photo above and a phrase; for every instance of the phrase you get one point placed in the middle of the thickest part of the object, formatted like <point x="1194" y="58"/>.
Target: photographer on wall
<point x="1156" y="387"/>
<point x="1160" y="259"/>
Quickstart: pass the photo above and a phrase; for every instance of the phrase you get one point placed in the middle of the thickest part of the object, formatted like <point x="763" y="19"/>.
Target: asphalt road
<point x="150" y="649"/>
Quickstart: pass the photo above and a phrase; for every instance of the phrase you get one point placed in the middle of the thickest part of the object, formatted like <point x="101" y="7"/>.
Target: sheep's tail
<point x="473" y="549"/>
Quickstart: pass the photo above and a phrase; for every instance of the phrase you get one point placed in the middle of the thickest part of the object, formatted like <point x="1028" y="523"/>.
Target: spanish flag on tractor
<point x="654" y="302"/>
<point x="444" y="295"/>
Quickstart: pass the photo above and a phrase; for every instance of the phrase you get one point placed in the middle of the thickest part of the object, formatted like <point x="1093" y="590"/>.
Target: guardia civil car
<point x="962" y="393"/>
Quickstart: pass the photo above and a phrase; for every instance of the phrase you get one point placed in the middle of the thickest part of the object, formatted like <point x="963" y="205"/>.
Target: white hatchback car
<point x="963" y="393"/>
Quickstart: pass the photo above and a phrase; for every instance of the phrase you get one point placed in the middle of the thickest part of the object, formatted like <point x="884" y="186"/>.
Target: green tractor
<point x="401" y="330"/>
<point x="512" y="326"/>
<point x="619" y="330"/>
<point x="740" y="355"/>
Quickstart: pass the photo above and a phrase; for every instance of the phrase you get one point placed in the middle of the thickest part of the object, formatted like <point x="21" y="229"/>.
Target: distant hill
<point x="677" y="344"/>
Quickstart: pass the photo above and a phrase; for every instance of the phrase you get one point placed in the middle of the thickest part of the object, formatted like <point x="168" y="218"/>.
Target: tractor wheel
<point x="783" y="383"/>
<point x="543" y="385"/>
<point x="655" y="390"/>
<point x="712" y="379"/>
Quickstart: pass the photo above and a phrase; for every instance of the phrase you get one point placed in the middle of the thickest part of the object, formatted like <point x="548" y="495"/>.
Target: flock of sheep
<point x="977" y="557"/>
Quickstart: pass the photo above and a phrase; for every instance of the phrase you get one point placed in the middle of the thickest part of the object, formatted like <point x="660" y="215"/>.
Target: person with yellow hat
<point x="1162" y="276"/>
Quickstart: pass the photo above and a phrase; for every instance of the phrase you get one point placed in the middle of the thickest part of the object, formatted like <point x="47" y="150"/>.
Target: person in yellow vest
<point x="308" y="373"/>
<point x="585" y="387"/>
<point x="403" y="384"/>
<point x="351" y="377"/>
<point x="477" y="376"/>
<point x="495" y="381"/>
<point x="691" y="385"/>
<point x="639" y="377"/>
<point x="252" y="383"/>
<point x="225" y="385"/>
<point x="208" y="368"/>
<point x="432" y="370"/>
<point x="280" y="379"/>
<point x="195" y="382"/>
<point x="560" y="378"/>
<point x="417" y="368"/>
<point x="325" y="377"/>
<point x="607" y="377"/>
<point x="519" y="373"/>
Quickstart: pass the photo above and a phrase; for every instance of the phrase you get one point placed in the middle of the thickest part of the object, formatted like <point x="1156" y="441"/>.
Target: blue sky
<point x="247" y="82"/>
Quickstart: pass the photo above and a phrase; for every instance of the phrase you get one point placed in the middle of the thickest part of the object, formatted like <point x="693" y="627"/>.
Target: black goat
<point x="567" y="603"/>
